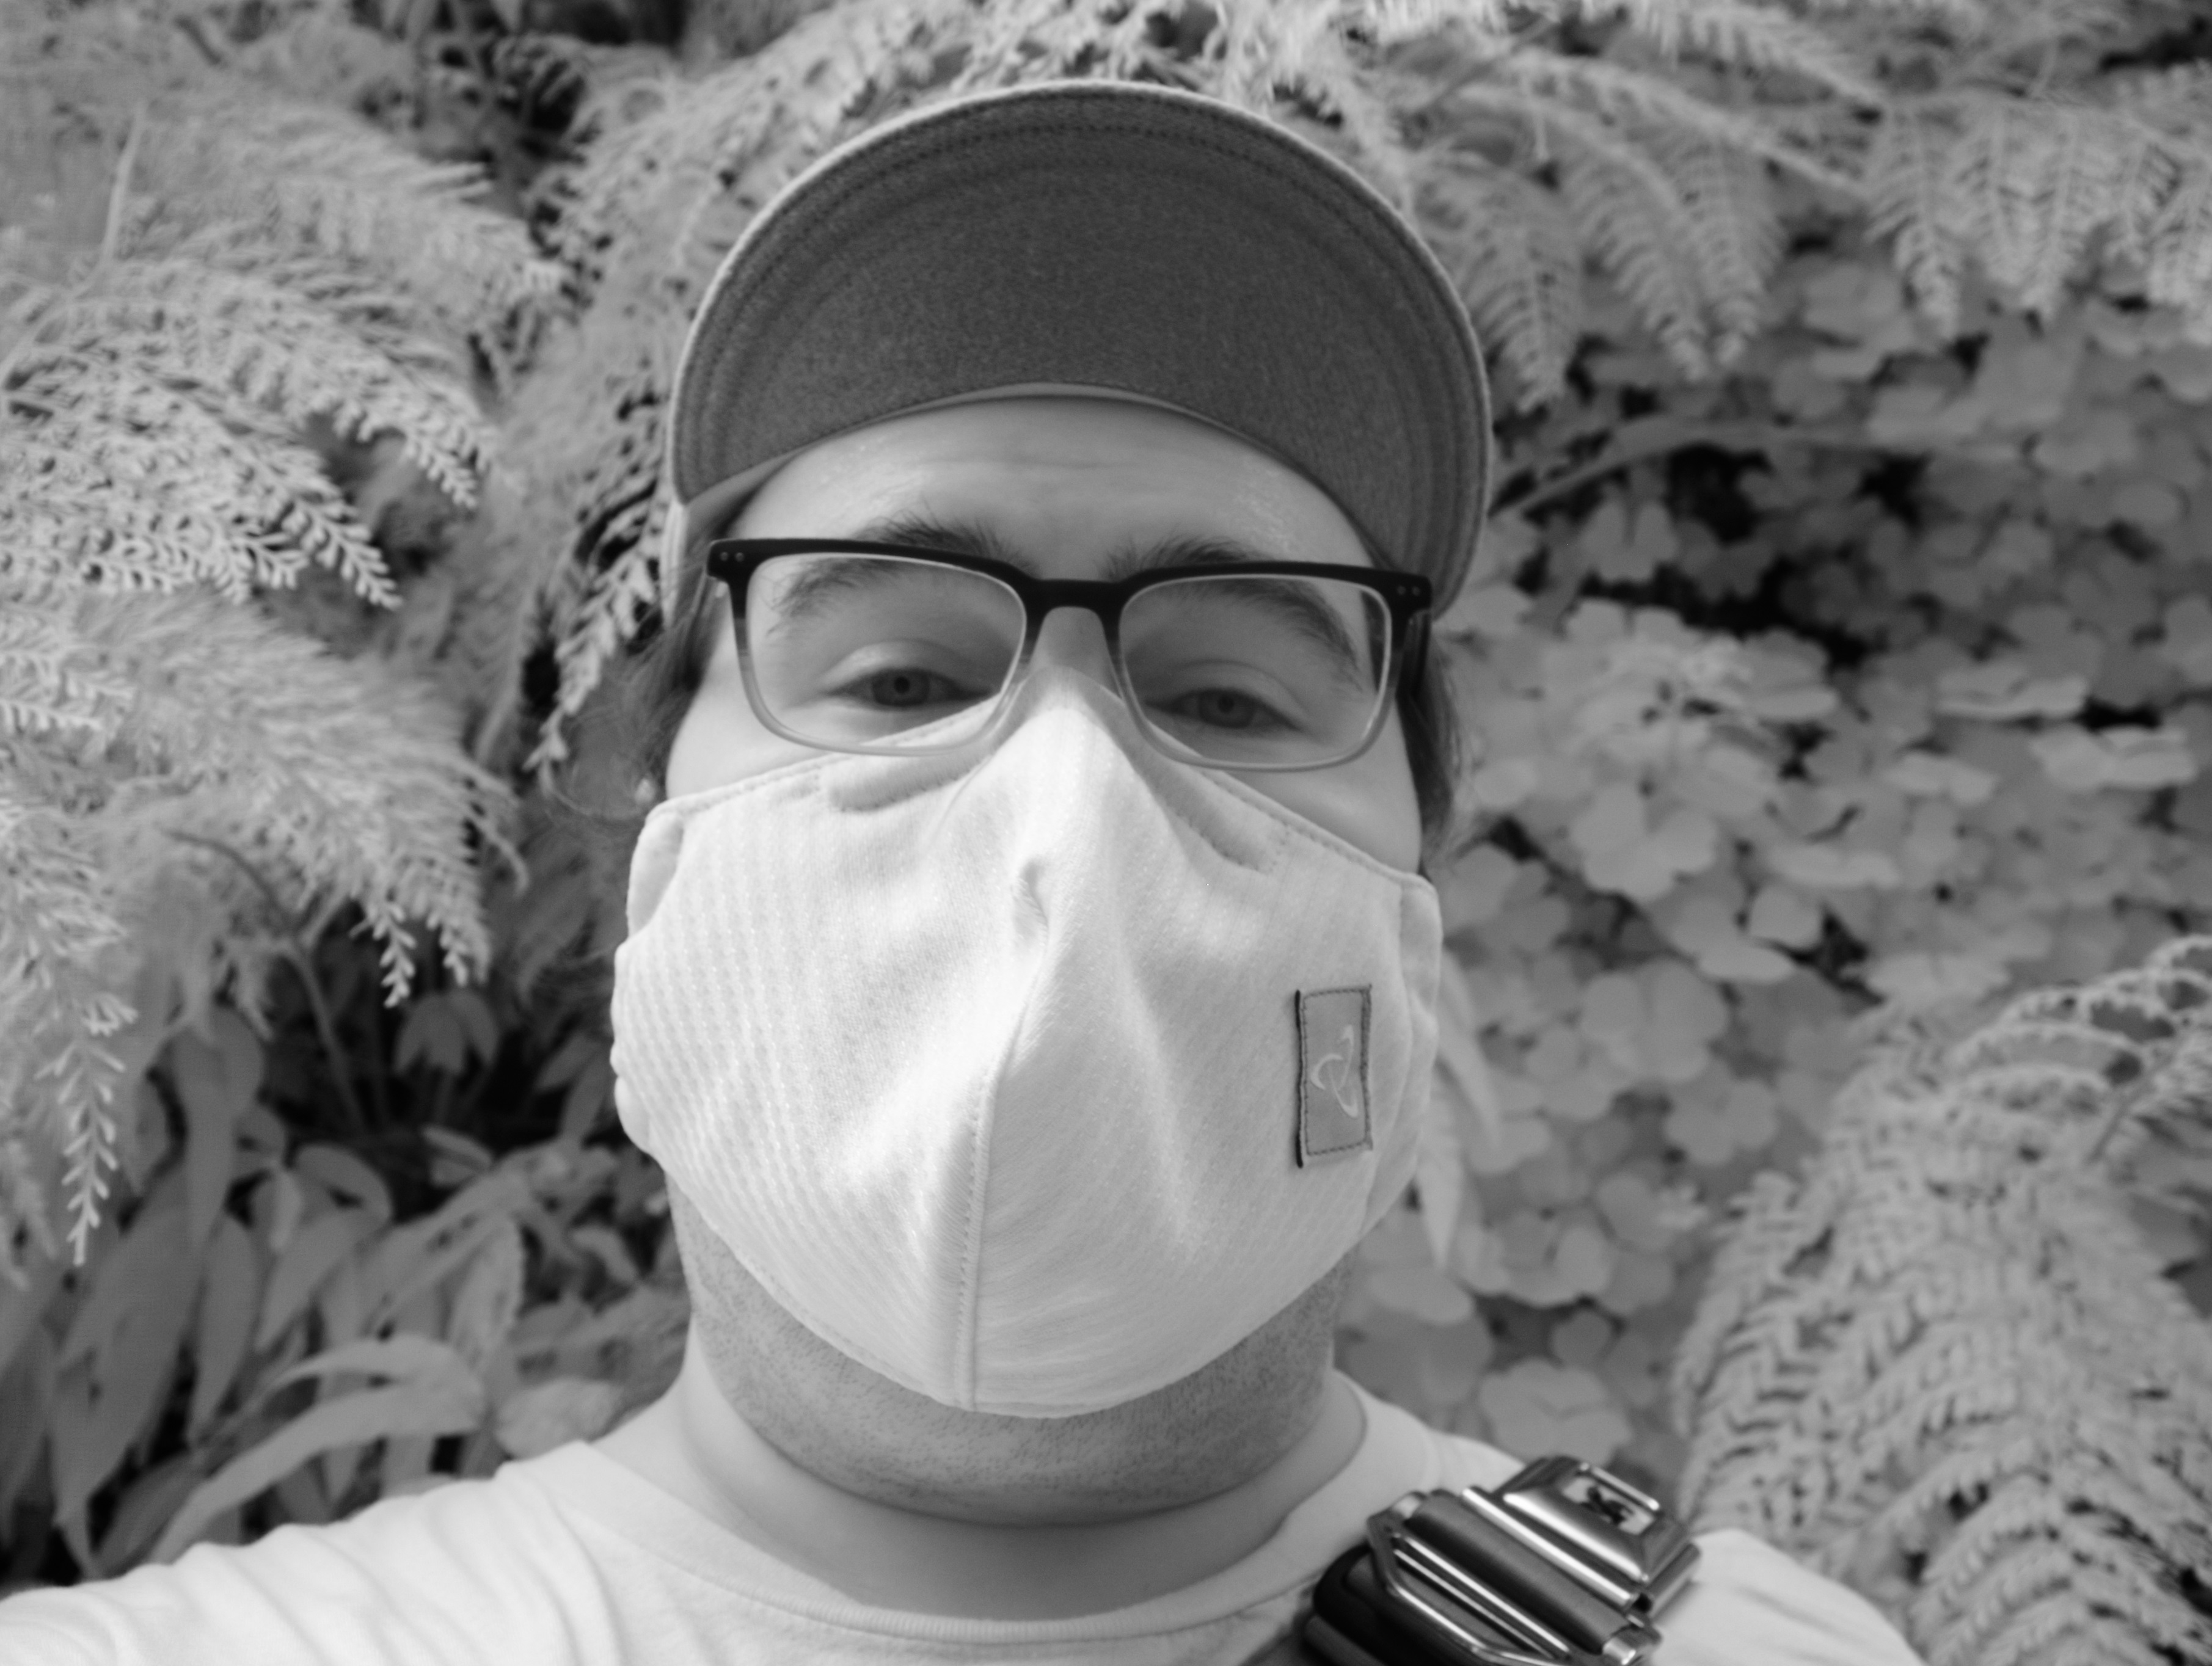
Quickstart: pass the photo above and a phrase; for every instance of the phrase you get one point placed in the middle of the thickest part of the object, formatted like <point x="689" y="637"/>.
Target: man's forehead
<point x="1131" y="482"/>
<point x="716" y="507"/>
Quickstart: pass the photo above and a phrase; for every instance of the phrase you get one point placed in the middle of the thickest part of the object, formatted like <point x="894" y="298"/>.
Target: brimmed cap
<point x="1136" y="240"/>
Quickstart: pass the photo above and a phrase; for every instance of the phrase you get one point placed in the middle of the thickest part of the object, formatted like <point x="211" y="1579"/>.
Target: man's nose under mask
<point x="1032" y="1080"/>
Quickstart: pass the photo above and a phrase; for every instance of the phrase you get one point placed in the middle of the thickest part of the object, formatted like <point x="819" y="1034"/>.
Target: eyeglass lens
<point x="1260" y="671"/>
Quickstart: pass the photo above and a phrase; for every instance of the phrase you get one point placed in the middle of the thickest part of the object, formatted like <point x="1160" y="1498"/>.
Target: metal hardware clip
<point x="1564" y="1565"/>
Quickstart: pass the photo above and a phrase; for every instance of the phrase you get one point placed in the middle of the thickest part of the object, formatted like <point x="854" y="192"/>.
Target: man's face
<point x="1065" y="484"/>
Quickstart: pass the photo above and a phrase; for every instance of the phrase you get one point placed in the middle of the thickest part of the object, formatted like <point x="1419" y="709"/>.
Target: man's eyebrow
<point x="964" y="536"/>
<point x="917" y="530"/>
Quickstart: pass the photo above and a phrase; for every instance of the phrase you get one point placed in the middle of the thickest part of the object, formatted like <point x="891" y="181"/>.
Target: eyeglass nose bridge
<point x="1042" y="599"/>
<point x="1095" y="652"/>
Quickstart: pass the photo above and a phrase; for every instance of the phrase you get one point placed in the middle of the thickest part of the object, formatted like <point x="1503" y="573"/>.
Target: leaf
<point x="230" y="1292"/>
<point x="127" y="1279"/>
<point x="1538" y="1406"/>
<point x="1832" y="867"/>
<point x="304" y="1262"/>
<point x="1780" y="915"/>
<point x="347" y="1176"/>
<point x="536" y="1418"/>
<point x="22" y="1308"/>
<point x="490" y="1295"/>
<point x="404" y="1355"/>
<point x="1423" y="1292"/>
<point x="27" y="1393"/>
<point x="428" y="1407"/>
<point x="149" y="1501"/>
<point x="589" y="1096"/>
<point x="2003" y="690"/>
<point x="421" y="1254"/>
<point x="1929" y="774"/>
<point x="123" y="1357"/>
<point x="2127" y="758"/>
<point x="447" y="1030"/>
<point x="215" y="1081"/>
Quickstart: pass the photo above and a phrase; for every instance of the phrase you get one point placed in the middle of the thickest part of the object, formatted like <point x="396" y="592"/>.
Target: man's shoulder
<point x="1750" y="1602"/>
<point x="435" y="1576"/>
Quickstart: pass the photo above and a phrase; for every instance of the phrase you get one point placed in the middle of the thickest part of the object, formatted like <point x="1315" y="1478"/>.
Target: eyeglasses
<point x="1249" y="665"/>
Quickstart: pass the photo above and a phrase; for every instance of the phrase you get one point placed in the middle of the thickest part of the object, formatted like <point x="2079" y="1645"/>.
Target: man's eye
<point x="1225" y="708"/>
<point x="906" y="688"/>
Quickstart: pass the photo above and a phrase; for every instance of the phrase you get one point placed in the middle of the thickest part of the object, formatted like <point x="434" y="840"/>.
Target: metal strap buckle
<point x="1564" y="1565"/>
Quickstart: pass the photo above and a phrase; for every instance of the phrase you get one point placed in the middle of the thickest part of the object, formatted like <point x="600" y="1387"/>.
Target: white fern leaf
<point x="2177" y="253"/>
<point x="334" y="781"/>
<point x="2035" y="182"/>
<point x="1907" y="184"/>
<point x="1763" y="38"/>
<point x="1739" y="239"/>
<point x="133" y="484"/>
<point x="596" y="629"/>
<point x="1396" y="21"/>
<point x="348" y="193"/>
<point x="1516" y="258"/>
<point x="1636" y="99"/>
<point x="2010" y="1432"/>
<point x="1641" y="236"/>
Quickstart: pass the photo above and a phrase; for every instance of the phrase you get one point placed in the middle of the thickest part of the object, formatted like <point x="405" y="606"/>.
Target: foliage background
<point x="1839" y="662"/>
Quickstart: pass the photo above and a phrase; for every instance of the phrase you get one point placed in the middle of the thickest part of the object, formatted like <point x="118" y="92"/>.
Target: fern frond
<point x="1755" y="37"/>
<point x="1516" y="259"/>
<point x="1638" y="101"/>
<point x="1739" y="240"/>
<point x="43" y="692"/>
<point x="2177" y="252"/>
<point x="347" y="192"/>
<point x="2009" y="1411"/>
<point x="63" y="956"/>
<point x="606" y="619"/>
<point x="334" y="781"/>
<point x="190" y="325"/>
<point x="1031" y="42"/>
<point x="1908" y="191"/>
<point x="755" y="121"/>
<point x="2032" y="182"/>
<point x="1641" y="236"/>
<point x="130" y="484"/>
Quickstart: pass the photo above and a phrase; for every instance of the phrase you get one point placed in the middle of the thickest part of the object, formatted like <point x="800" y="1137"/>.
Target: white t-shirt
<point x="573" y="1560"/>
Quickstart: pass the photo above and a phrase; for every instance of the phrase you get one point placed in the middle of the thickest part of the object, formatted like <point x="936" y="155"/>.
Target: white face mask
<point x="1032" y="1081"/>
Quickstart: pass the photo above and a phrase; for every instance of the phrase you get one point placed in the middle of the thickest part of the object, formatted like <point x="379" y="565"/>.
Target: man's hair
<point x="657" y="687"/>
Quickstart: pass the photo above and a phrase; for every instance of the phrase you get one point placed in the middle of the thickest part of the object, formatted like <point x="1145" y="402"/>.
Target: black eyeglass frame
<point x="1406" y="596"/>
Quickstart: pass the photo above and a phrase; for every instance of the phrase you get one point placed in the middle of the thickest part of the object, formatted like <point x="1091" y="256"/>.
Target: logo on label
<point x="1332" y="1116"/>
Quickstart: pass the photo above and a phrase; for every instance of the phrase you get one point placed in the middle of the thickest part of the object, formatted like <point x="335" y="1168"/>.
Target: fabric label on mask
<point x="1333" y="1073"/>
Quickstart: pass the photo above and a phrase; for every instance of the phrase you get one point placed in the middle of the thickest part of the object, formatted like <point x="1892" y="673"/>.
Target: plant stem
<point x="119" y="191"/>
<point x="302" y="955"/>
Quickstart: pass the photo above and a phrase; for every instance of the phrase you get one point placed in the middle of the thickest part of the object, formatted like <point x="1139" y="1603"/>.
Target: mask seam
<point x="1330" y="842"/>
<point x="967" y="1344"/>
<point x="690" y="804"/>
<point x="907" y="794"/>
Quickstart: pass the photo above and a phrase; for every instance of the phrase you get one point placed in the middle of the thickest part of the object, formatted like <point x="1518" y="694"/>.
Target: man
<point x="1029" y="987"/>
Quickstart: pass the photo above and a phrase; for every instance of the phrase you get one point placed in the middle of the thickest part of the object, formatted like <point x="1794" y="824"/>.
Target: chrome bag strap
<point x="1564" y="1565"/>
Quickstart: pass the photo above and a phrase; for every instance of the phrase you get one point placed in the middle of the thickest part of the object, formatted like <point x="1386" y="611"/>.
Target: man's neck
<point x="691" y="1443"/>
